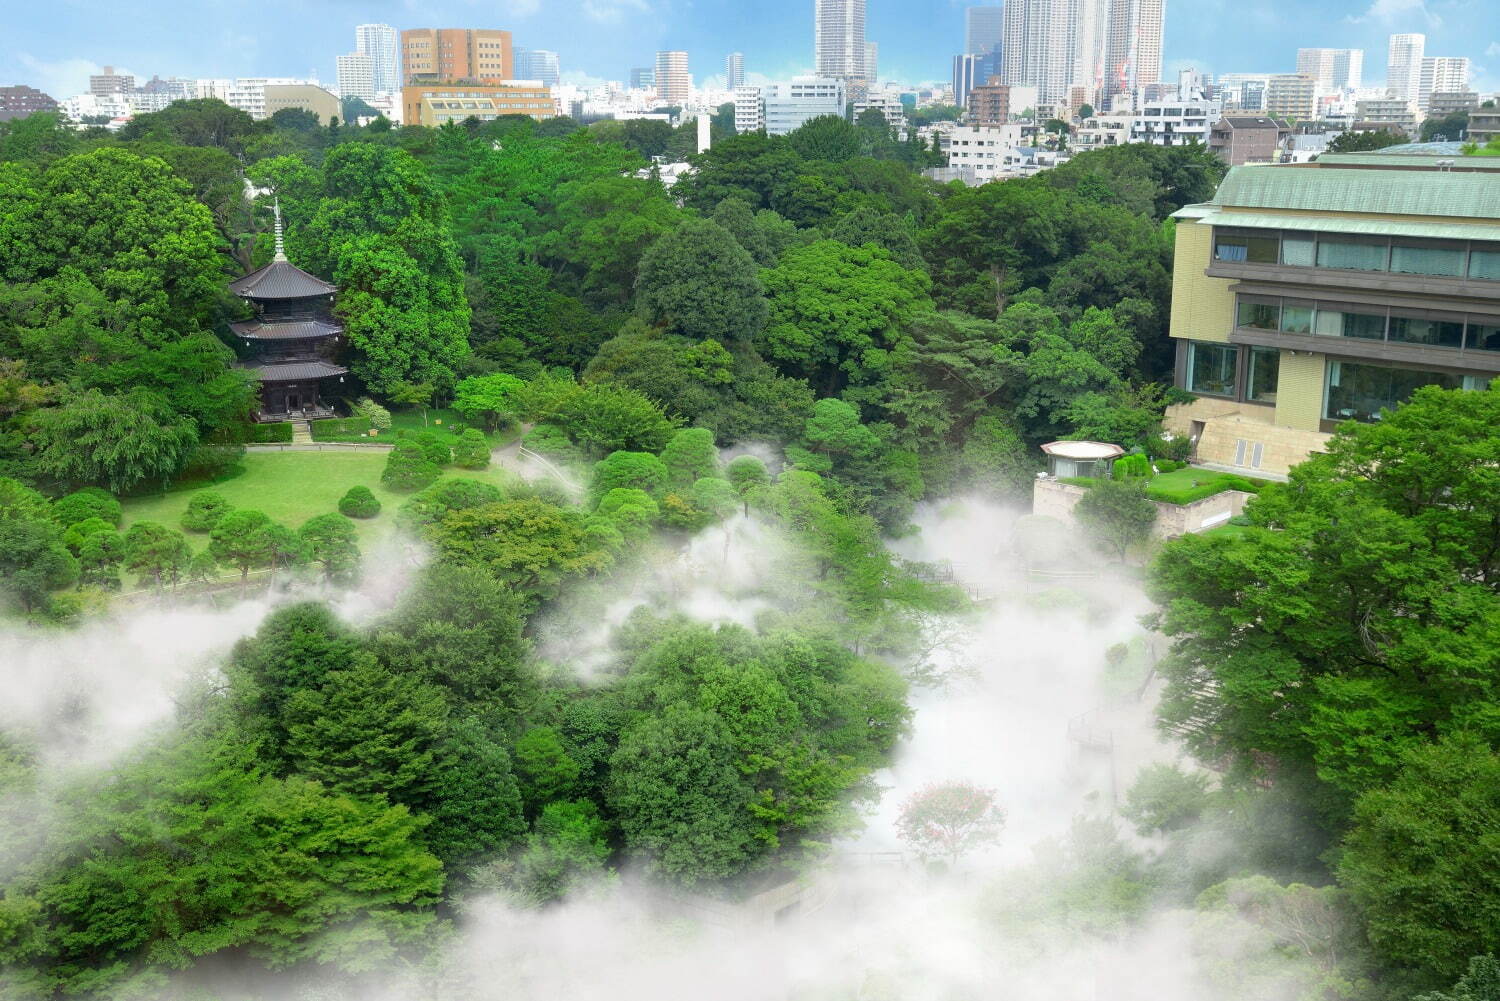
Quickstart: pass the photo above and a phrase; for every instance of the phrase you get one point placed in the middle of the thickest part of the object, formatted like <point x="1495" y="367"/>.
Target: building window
<point x="1260" y="315"/>
<point x="1265" y="366"/>
<point x="1485" y="264"/>
<point x="1409" y="260"/>
<point x="1336" y="323"/>
<point x="1360" y="392"/>
<point x="1296" y="319"/>
<point x="1484" y="336"/>
<point x="1352" y="256"/>
<point x="1416" y="330"/>
<point x="1240" y="249"/>
<point x="1210" y="368"/>
<point x="1297" y="251"/>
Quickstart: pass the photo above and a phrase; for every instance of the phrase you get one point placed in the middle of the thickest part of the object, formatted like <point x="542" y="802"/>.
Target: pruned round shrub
<point x="204" y="511"/>
<point x="90" y="502"/>
<point x="408" y="468"/>
<point x="378" y="416"/>
<point x="472" y="450"/>
<point x="359" y="502"/>
<point x="437" y="451"/>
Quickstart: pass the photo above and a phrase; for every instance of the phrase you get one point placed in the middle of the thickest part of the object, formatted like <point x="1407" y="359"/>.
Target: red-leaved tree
<point x="948" y="819"/>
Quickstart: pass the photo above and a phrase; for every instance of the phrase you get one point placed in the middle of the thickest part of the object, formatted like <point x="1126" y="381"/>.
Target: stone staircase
<point x="301" y="433"/>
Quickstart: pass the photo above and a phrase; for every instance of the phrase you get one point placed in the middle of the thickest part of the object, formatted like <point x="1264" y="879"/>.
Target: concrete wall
<point x="1299" y="390"/>
<point x="1202" y="307"/>
<point x="1057" y="500"/>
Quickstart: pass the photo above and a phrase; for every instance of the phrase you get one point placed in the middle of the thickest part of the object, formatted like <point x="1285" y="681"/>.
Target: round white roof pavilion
<point x="1083" y="451"/>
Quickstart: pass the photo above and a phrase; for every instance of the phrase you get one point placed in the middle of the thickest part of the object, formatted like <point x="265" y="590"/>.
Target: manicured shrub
<point x="359" y="502"/>
<point x="437" y="451"/>
<point x="472" y="450"/>
<point x="408" y="468"/>
<point x="378" y="416"/>
<point x="204" y="511"/>
<point x="553" y="442"/>
<point x="279" y="433"/>
<point x="1132" y="467"/>
<point x="90" y="502"/>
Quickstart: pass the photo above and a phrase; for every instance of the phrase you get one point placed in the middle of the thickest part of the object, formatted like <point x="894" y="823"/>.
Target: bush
<point x="340" y="428"/>
<point x="90" y="502"/>
<point x="279" y="433"/>
<point x="1207" y="486"/>
<point x="1178" y="448"/>
<point x="212" y="461"/>
<point x="408" y="468"/>
<point x="204" y="511"/>
<point x="359" y="502"/>
<point x="378" y="416"/>
<point x="472" y="450"/>
<point x="553" y="442"/>
<point x="1169" y="465"/>
<point x="1132" y="467"/>
<point x="437" y="451"/>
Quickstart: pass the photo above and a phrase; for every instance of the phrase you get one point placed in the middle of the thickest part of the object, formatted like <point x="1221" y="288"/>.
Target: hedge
<point x="279" y="433"/>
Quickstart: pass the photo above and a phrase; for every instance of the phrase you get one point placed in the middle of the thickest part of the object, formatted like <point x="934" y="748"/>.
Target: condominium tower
<point x="1132" y="46"/>
<point x="382" y="44"/>
<point x="538" y="64"/>
<point x="734" y="70"/>
<point x="1441" y="75"/>
<point x="839" y="40"/>
<point x="431" y="55"/>
<point x="356" y="76"/>
<point x="1403" y="66"/>
<point x="673" y="81"/>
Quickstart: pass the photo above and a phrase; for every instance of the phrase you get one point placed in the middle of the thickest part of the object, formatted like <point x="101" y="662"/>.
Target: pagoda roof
<point x="287" y="330"/>
<point x="295" y="371"/>
<point x="281" y="279"/>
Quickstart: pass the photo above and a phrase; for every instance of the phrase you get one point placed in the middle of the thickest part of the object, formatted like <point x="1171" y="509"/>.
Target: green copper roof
<point x="1336" y="224"/>
<point x="1455" y="194"/>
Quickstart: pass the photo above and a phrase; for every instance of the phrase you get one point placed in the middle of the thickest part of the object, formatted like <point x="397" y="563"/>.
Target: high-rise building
<point x="1334" y="69"/>
<point x="1292" y="96"/>
<point x="21" y="100"/>
<point x="1446" y="74"/>
<point x="1403" y="66"/>
<point x="1040" y="46"/>
<point x="110" y="82"/>
<point x="439" y="55"/>
<point x="674" y="83"/>
<point x="356" y="76"/>
<point x="984" y="29"/>
<point x="839" y="40"/>
<point x="382" y="43"/>
<point x="734" y="70"/>
<point x="872" y="62"/>
<point x="642" y="78"/>
<point x="787" y="106"/>
<point x="538" y="64"/>
<point x="971" y="72"/>
<point x="1132" y="45"/>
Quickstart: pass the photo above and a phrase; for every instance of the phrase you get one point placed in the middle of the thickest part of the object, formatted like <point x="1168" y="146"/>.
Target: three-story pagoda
<point x="292" y="339"/>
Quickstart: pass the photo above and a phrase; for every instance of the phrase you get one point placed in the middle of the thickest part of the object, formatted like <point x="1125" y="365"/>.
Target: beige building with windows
<point x="1311" y="294"/>
<point x="307" y="96"/>
<point x="439" y="103"/>
<point x="475" y="54"/>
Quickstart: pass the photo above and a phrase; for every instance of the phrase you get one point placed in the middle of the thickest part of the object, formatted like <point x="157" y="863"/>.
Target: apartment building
<point x="673" y="80"/>
<point x="1311" y="294"/>
<point x="1395" y="114"/>
<point x="783" y="107"/>
<point x="1484" y="125"/>
<point x="1293" y="96"/>
<point x="437" y="104"/>
<point x="985" y="152"/>
<point x="21" y="100"/>
<point x="995" y="103"/>
<point x="1238" y="140"/>
<point x="1174" y="122"/>
<point x="438" y="55"/>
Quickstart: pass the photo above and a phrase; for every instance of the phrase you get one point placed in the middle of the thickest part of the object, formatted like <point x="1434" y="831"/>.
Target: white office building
<point x="984" y="152"/>
<point x="1403" y="66"/>
<point x="382" y="43"/>
<point x="356" y="76"/>
<point x="839" y="51"/>
<point x="784" y="107"/>
<point x="1175" y="122"/>
<point x="887" y="103"/>
<point x="1334" y="69"/>
<point x="749" y="110"/>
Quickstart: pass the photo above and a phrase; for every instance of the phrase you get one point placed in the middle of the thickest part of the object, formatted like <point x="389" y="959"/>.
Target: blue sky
<point x="54" y="45"/>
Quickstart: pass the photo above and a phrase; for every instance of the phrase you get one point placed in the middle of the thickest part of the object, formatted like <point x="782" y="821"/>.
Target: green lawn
<point x="292" y="487"/>
<point x="439" y="422"/>
<point x="1183" y="486"/>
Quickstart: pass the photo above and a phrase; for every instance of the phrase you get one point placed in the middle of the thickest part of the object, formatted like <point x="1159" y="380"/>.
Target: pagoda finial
<point x="280" y="245"/>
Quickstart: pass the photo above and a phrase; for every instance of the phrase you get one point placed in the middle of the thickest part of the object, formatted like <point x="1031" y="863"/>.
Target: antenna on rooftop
<point x="280" y="244"/>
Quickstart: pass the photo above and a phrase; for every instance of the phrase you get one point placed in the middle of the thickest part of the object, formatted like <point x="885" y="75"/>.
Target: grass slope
<point x="292" y="487"/>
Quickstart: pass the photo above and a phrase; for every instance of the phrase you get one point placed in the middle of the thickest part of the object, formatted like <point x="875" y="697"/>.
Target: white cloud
<point x="611" y="11"/>
<point x="1493" y="50"/>
<point x="1388" y="12"/>
<point x="61" y="79"/>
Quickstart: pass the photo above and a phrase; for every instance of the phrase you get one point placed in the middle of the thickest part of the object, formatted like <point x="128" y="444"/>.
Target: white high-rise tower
<point x="1403" y="66"/>
<point x="839" y="40"/>
<point x="381" y="43"/>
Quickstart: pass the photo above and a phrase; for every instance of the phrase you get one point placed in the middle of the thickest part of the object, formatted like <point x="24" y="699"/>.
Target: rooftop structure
<point x="1307" y="295"/>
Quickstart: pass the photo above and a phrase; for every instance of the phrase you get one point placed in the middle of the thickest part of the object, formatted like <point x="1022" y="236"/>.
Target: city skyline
<point x="602" y="39"/>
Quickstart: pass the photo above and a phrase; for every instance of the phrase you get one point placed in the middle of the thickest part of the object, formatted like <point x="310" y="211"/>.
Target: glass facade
<point x="1438" y="333"/>
<point x="1239" y="249"/>
<point x="1265" y="367"/>
<point x="1297" y="318"/>
<point x="1360" y="392"/>
<point x="1448" y="261"/>
<point x="1210" y="368"/>
<point x="1451" y="259"/>
<point x="1338" y="323"/>
<point x="1351" y="256"/>
<point x="1370" y="323"/>
<point x="1260" y="315"/>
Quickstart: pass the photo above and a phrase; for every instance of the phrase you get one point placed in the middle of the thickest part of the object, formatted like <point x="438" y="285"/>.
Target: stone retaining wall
<point x="1055" y="499"/>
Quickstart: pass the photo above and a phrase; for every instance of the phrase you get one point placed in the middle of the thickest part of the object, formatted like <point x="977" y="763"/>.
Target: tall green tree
<point x="699" y="282"/>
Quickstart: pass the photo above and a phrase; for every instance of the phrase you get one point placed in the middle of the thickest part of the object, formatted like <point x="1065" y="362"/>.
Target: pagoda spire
<point x="280" y="244"/>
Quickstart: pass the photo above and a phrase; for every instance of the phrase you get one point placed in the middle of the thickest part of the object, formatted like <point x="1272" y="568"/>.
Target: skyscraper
<point x="839" y="40"/>
<point x="1334" y="69"/>
<point x="537" y="64"/>
<point x="642" y="78"/>
<point x="734" y="70"/>
<point x="1132" y="46"/>
<point x="984" y="29"/>
<point x="1040" y="46"/>
<point x="383" y="45"/>
<point x="1403" y="66"/>
<point x="356" y="76"/>
<point x="1441" y="75"/>
<point x="872" y="61"/>
<point x="673" y="81"/>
